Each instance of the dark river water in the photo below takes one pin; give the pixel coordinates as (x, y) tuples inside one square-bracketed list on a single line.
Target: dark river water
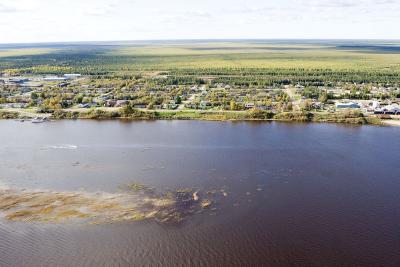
[(297, 194)]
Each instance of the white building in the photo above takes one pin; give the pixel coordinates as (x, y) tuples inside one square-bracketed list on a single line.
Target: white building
[(72, 75), (389, 109), (375, 105), (55, 79), (249, 105)]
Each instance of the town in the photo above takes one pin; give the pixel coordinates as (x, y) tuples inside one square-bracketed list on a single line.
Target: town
[(76, 92)]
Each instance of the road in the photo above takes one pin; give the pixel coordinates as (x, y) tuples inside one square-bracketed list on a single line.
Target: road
[(189, 100), (294, 98)]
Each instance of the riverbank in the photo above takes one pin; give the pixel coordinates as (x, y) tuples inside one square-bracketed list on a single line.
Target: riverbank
[(347, 117), (395, 123)]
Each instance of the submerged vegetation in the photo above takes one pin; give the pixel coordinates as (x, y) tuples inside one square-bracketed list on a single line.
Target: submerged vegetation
[(136, 202)]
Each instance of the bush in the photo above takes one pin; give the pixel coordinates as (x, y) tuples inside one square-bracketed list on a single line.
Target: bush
[(259, 114), (8, 115)]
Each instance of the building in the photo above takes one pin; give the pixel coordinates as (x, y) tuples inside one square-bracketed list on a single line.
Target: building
[(372, 106), (393, 109), (72, 75), (141, 106), (63, 84), (18, 80), (85, 105), (375, 105), (249, 105), (13, 105), (55, 79), (170, 105), (191, 105), (110, 103), (349, 105), (121, 103), (205, 105)]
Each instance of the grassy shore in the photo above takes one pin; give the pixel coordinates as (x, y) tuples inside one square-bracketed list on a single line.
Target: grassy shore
[(348, 117)]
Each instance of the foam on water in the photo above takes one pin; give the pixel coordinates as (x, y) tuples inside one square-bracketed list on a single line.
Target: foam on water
[(68, 147)]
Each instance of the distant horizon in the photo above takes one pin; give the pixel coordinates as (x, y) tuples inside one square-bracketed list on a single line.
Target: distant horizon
[(203, 40)]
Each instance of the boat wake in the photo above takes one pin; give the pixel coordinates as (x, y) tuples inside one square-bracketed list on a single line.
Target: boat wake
[(68, 147)]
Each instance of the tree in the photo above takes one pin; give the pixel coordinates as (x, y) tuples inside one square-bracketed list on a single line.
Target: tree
[(151, 104), (323, 98), (306, 105), (34, 95), (233, 105), (78, 99), (289, 106), (128, 110)]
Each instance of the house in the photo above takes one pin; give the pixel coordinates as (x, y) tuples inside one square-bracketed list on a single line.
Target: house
[(373, 106), (264, 107), (72, 75), (205, 104), (191, 105), (389, 109), (66, 103), (13, 105), (31, 84), (86, 105), (249, 105), (55, 79), (18, 80), (25, 90), (170, 105), (63, 84), (140, 106), (105, 97), (121, 103), (349, 105), (110, 103), (318, 105)]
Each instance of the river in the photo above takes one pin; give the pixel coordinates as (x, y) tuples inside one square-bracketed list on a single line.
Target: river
[(285, 194)]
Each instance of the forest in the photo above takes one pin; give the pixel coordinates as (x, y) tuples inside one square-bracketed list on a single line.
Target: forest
[(257, 64)]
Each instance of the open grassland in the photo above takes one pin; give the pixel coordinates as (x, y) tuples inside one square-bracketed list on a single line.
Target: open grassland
[(286, 56)]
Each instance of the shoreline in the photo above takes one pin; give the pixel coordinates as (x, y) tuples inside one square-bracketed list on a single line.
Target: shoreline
[(343, 117), (393, 123)]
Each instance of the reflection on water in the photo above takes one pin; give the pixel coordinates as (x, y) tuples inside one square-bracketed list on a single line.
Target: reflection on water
[(243, 194)]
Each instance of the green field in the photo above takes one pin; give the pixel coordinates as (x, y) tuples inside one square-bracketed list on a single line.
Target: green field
[(257, 63), (23, 52)]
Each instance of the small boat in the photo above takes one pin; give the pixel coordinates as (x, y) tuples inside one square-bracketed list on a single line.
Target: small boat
[(38, 120)]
